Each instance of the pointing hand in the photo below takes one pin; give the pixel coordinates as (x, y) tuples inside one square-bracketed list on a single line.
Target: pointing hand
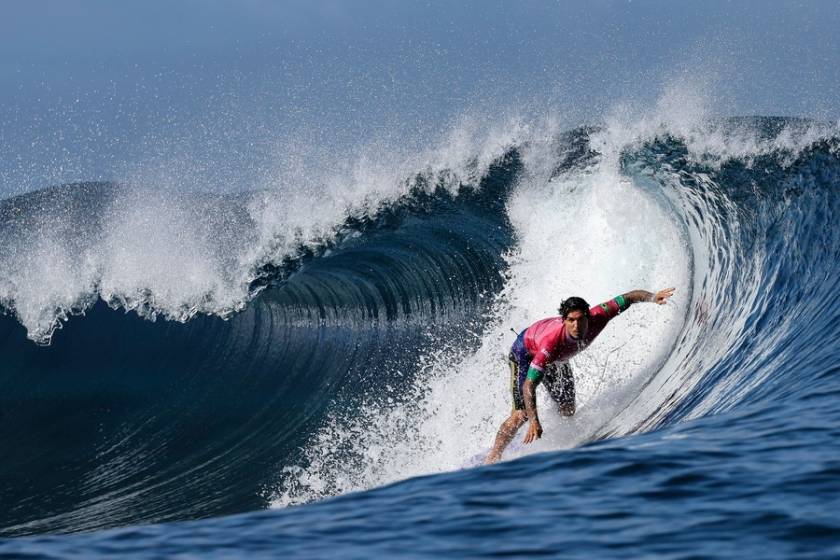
[(662, 296)]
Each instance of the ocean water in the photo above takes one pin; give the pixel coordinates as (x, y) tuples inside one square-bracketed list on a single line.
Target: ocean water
[(305, 372)]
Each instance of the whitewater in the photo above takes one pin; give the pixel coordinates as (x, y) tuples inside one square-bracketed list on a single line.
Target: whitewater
[(306, 369)]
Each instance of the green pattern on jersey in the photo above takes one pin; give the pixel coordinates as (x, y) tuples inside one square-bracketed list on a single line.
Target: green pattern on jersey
[(622, 303)]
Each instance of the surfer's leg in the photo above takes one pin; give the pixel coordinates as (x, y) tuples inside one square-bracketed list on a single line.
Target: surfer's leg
[(561, 386), (517, 416), (506, 433)]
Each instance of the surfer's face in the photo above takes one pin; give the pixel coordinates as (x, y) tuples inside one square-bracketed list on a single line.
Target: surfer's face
[(576, 323)]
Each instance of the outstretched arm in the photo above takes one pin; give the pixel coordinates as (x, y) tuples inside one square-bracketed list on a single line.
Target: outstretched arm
[(658, 298)]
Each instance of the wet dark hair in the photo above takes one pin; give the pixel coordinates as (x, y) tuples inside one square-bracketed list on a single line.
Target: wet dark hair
[(573, 304)]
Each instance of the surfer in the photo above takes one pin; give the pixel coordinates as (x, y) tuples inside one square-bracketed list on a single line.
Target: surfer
[(541, 353)]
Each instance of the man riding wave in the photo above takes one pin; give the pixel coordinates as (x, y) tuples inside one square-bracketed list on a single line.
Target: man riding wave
[(541, 353)]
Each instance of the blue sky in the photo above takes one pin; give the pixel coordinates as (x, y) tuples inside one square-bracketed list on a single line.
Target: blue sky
[(95, 89)]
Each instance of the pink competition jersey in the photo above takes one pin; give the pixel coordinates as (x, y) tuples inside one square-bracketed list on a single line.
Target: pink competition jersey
[(547, 341)]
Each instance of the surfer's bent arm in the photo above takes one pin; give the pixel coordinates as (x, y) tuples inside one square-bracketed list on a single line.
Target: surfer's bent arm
[(529, 394)]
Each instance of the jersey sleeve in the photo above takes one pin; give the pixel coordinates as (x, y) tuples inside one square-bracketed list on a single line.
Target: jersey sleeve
[(547, 352), (541, 358), (608, 310)]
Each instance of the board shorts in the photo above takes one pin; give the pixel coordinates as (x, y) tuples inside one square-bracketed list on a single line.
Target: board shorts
[(558, 379)]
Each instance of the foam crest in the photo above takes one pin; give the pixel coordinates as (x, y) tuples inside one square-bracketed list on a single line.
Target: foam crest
[(160, 256), (168, 254), (686, 110), (312, 189), (44, 285)]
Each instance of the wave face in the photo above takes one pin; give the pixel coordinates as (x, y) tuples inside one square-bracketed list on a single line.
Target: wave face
[(123, 418), (374, 353), (759, 220)]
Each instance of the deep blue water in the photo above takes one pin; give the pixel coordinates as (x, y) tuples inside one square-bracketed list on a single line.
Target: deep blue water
[(172, 437)]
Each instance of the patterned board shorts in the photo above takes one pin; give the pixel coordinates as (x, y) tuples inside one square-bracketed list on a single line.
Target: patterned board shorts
[(558, 379)]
